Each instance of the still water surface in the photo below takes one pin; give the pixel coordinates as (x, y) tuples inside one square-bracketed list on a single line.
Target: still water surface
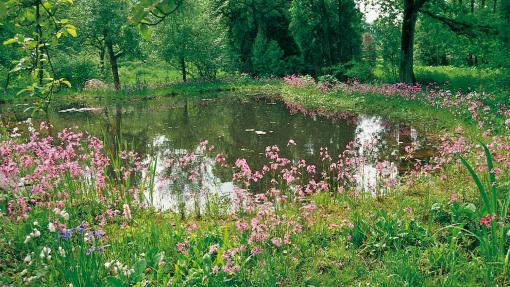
[(238, 128)]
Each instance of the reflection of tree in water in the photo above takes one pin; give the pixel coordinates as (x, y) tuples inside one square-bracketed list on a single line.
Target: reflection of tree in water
[(229, 124)]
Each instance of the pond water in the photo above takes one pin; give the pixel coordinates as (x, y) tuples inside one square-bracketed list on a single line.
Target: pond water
[(238, 128)]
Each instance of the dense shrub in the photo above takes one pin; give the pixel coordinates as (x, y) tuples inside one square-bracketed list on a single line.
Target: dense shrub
[(76, 69)]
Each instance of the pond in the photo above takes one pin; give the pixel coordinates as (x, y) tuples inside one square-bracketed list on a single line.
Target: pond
[(237, 127)]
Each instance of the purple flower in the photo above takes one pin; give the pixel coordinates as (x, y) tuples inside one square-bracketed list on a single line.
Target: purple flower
[(90, 250), (80, 229), (68, 233), (99, 234)]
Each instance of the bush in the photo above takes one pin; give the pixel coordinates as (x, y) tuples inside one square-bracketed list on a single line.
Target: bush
[(76, 70), (267, 57), (359, 70)]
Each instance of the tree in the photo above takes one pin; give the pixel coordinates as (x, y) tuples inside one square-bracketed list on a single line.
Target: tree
[(105, 25), (41, 32), (327, 31), (245, 19), (267, 57), (193, 39)]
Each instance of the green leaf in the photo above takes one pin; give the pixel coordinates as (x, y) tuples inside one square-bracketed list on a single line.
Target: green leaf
[(481, 189), (145, 31), (114, 282), (10, 41), (66, 82), (140, 266), (71, 30)]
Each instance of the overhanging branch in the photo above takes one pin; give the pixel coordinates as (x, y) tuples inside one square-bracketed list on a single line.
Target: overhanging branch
[(467, 29)]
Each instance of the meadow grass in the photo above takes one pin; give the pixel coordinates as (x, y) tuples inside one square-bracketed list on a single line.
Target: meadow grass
[(436, 228)]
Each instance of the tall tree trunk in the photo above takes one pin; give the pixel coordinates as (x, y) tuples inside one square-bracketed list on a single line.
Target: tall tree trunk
[(494, 6), (406, 74), (101, 60), (38, 48), (325, 33), (183, 69), (7, 81), (113, 63), (472, 6)]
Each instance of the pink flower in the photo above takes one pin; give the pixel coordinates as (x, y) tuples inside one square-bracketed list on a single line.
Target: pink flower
[(242, 226), (277, 242), (256, 250), (291, 142), (213, 248), (487, 220), (127, 212)]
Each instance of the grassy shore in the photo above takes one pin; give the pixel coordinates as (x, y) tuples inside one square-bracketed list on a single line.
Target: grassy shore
[(433, 228)]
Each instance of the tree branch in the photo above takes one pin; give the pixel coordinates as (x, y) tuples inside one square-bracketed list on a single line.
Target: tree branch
[(467, 29)]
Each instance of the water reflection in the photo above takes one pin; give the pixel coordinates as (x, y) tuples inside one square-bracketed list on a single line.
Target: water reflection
[(164, 128)]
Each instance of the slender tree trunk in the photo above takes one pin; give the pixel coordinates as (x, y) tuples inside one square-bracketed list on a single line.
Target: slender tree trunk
[(101, 60), (7, 81), (472, 6), (183, 69), (113, 63), (494, 6), (406, 74), (38, 51), (326, 34)]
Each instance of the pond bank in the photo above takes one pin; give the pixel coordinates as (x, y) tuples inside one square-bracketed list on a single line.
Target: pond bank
[(431, 229)]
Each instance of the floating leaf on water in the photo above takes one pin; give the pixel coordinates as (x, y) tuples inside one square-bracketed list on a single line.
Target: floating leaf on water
[(249, 130), (260, 132), (81, 110)]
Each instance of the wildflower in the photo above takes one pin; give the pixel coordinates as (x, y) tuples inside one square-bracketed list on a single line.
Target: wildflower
[(90, 250), (241, 225), (52, 227), (45, 253), (277, 242), (182, 247), (487, 220), (61, 251), (215, 269), (67, 233), (291, 142), (192, 227), (161, 262), (453, 198), (28, 259), (108, 264), (213, 248), (256, 250), (127, 212)]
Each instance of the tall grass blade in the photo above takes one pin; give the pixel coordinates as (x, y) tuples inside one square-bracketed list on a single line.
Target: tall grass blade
[(479, 184)]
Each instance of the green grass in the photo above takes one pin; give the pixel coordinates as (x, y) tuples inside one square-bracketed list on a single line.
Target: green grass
[(412, 237)]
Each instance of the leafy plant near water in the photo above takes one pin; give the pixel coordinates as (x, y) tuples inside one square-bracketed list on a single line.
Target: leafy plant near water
[(494, 229)]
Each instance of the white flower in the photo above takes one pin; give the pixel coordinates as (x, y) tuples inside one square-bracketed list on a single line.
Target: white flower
[(107, 264), (52, 227), (24, 272), (61, 251), (45, 253), (27, 259), (36, 233), (65, 215), (27, 239), (36, 223)]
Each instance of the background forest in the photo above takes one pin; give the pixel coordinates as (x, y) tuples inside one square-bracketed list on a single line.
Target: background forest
[(461, 42)]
